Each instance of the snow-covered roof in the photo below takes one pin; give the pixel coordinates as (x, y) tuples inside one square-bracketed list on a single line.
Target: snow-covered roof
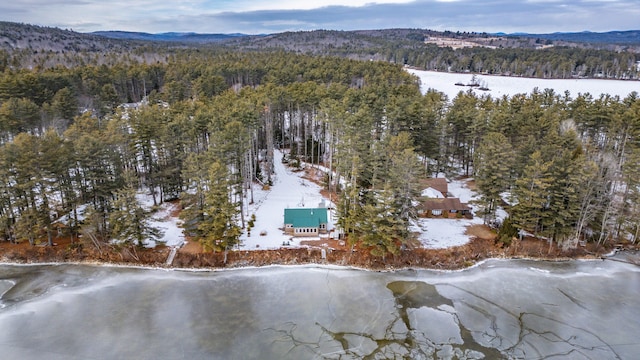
[(432, 193)]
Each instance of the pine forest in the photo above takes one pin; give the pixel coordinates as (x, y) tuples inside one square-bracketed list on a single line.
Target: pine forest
[(200, 124)]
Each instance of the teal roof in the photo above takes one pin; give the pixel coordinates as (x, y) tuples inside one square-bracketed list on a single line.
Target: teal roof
[(305, 217)]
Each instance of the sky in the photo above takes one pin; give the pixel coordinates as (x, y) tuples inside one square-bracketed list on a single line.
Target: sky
[(273, 16)]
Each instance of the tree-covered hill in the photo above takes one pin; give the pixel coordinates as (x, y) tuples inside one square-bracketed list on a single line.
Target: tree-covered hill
[(28, 46), (459, 52), (24, 46), (15, 37)]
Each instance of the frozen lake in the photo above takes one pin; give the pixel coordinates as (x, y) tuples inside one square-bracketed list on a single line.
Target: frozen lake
[(499, 309), (506, 85)]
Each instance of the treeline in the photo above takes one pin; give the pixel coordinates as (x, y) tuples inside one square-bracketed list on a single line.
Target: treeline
[(555, 63), (501, 56), (204, 128)]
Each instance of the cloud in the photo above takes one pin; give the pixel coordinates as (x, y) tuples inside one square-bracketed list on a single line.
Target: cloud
[(225, 16), (490, 16)]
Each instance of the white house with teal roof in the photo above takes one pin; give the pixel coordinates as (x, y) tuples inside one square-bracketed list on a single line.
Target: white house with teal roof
[(306, 221)]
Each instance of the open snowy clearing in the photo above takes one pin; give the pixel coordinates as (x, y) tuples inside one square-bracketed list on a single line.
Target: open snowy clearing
[(289, 190), (509, 86), (444, 233)]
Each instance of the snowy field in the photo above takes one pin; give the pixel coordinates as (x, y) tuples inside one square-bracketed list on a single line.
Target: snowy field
[(444, 233), (506, 85)]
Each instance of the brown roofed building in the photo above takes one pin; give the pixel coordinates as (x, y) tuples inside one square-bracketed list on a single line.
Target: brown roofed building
[(440, 207)]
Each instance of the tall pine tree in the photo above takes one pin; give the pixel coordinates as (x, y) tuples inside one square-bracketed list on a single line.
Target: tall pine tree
[(219, 230)]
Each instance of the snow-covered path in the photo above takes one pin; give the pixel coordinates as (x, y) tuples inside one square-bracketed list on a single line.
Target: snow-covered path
[(288, 190)]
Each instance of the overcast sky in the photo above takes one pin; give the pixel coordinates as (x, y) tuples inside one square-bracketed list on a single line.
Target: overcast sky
[(270, 16)]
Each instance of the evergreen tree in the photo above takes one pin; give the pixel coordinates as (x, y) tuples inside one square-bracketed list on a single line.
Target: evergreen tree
[(219, 230), (426, 136), (130, 223), (382, 227), (531, 193), (507, 232), (630, 219), (193, 199), (569, 171), (18, 115), (28, 226), (64, 104), (401, 178), (460, 119), (493, 163)]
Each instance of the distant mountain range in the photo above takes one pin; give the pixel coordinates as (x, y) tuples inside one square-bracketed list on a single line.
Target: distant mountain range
[(631, 37), (402, 45), (32, 46), (190, 37)]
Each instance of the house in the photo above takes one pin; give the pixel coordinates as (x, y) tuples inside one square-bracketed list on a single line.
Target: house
[(445, 207), (439, 184), (305, 221)]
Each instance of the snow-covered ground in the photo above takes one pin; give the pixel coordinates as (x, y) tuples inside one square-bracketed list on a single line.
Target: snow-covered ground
[(506, 85), (163, 220), (288, 190), (444, 233)]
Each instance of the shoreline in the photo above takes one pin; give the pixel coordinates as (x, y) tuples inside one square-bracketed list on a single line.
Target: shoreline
[(453, 259), (518, 76), (320, 266)]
